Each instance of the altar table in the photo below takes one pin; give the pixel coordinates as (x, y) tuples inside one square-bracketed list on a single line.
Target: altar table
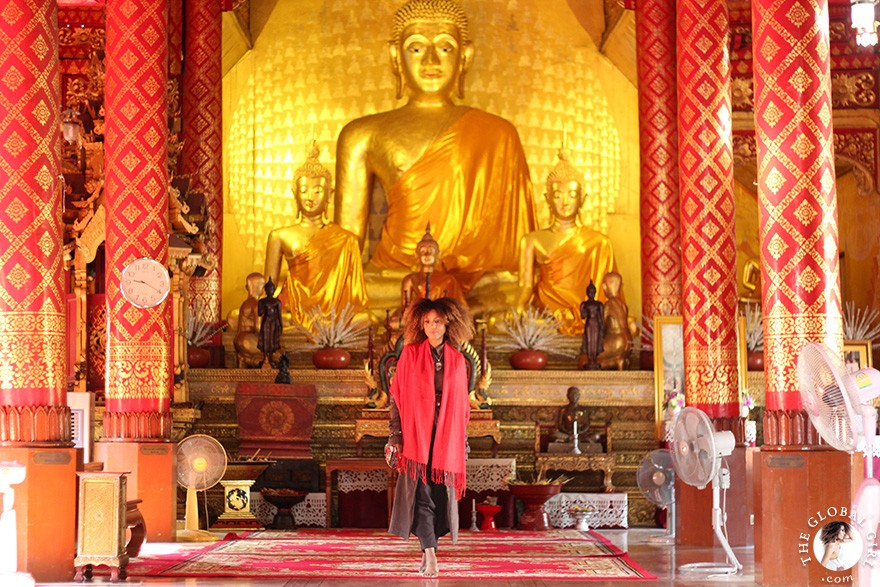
[(310, 512), (610, 509), (583, 462), (378, 427)]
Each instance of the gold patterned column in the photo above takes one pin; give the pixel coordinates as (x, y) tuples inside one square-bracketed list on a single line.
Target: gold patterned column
[(658, 141), (33, 376), (138, 386), (202, 157), (797, 200), (707, 208)]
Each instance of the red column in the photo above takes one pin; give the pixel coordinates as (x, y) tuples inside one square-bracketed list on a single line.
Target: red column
[(707, 208), (202, 157), (658, 142), (138, 387), (33, 379), (797, 200)]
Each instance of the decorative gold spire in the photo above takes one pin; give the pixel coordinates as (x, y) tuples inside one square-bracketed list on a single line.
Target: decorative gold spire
[(414, 11), (428, 240), (313, 168), (564, 172)]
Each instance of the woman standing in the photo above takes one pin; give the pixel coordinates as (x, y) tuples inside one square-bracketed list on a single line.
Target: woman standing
[(429, 417)]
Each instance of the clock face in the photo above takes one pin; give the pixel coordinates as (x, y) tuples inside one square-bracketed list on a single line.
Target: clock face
[(145, 283)]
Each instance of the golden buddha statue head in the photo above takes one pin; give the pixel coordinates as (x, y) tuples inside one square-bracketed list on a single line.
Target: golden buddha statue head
[(428, 251), (312, 185), (564, 189), (430, 48), (255, 282)]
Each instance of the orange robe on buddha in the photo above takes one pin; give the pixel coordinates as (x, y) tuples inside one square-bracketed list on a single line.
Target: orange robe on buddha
[(327, 273), (473, 186), (563, 277)]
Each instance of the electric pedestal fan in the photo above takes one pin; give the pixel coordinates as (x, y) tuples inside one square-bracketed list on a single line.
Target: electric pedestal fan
[(201, 463), (656, 479), (839, 406), (697, 450)]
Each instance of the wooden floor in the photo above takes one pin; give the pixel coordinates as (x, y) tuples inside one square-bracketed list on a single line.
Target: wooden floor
[(661, 560)]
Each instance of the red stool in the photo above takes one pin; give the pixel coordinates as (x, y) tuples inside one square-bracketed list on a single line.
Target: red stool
[(488, 512)]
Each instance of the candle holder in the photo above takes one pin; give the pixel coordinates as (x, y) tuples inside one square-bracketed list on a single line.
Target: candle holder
[(575, 440), (474, 527)]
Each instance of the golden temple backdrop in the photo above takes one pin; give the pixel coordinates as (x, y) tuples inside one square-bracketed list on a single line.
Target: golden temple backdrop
[(316, 65)]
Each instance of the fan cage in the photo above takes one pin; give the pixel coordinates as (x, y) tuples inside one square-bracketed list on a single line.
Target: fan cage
[(198, 451)]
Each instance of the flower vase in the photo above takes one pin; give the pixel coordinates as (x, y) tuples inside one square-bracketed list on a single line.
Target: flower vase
[(528, 359), (582, 521), (331, 358), (197, 357)]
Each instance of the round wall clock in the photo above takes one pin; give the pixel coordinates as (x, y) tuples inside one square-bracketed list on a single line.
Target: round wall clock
[(145, 283)]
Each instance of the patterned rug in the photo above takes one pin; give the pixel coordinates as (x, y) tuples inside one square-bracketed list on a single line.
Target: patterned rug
[(374, 554)]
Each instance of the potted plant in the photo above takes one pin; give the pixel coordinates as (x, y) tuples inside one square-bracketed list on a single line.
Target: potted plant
[(534, 494), (198, 334), (531, 334), (754, 337), (330, 335)]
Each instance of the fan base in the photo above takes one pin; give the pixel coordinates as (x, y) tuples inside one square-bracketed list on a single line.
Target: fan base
[(713, 570), (195, 536)]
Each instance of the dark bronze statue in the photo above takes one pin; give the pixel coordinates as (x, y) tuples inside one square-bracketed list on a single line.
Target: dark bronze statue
[(571, 413), (283, 369), (593, 314), (269, 309)]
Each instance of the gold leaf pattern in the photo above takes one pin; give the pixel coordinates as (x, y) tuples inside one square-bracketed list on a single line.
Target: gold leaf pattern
[(805, 213), (16, 210), (18, 277), (777, 246)]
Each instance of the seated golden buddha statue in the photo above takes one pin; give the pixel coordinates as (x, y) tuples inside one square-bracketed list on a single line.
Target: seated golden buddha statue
[(618, 334), (415, 285), (459, 168), (323, 260), (556, 263), (248, 336)]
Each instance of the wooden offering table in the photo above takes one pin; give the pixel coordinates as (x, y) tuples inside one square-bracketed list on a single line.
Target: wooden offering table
[(358, 464), (584, 462)]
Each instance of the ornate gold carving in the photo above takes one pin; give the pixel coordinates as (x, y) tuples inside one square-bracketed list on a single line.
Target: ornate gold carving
[(139, 369), (585, 462), (853, 89), (34, 424), (136, 426), (33, 348)]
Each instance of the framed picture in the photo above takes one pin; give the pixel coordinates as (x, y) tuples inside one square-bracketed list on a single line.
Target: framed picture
[(668, 363), (857, 355), (742, 358)]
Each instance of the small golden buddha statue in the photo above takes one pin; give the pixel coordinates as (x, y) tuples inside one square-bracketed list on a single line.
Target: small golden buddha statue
[(247, 338), (555, 263), (459, 168), (415, 285), (617, 343), (323, 259)]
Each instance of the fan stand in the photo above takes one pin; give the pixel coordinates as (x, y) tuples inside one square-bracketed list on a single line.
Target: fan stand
[(191, 532), (669, 536), (720, 481)]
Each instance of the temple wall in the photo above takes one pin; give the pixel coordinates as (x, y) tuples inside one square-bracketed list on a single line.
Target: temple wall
[(317, 65)]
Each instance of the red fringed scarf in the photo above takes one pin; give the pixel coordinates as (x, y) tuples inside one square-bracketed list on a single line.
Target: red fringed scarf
[(413, 392)]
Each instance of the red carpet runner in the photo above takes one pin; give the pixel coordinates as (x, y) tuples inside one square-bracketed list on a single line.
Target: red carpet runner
[(374, 554)]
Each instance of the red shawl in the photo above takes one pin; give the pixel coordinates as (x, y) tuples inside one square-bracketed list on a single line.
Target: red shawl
[(413, 393)]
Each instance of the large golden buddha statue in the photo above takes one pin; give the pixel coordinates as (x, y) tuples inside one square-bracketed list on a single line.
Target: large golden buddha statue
[(556, 263), (323, 260), (459, 168)]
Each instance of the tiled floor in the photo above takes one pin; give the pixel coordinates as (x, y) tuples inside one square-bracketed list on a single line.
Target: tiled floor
[(661, 560)]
